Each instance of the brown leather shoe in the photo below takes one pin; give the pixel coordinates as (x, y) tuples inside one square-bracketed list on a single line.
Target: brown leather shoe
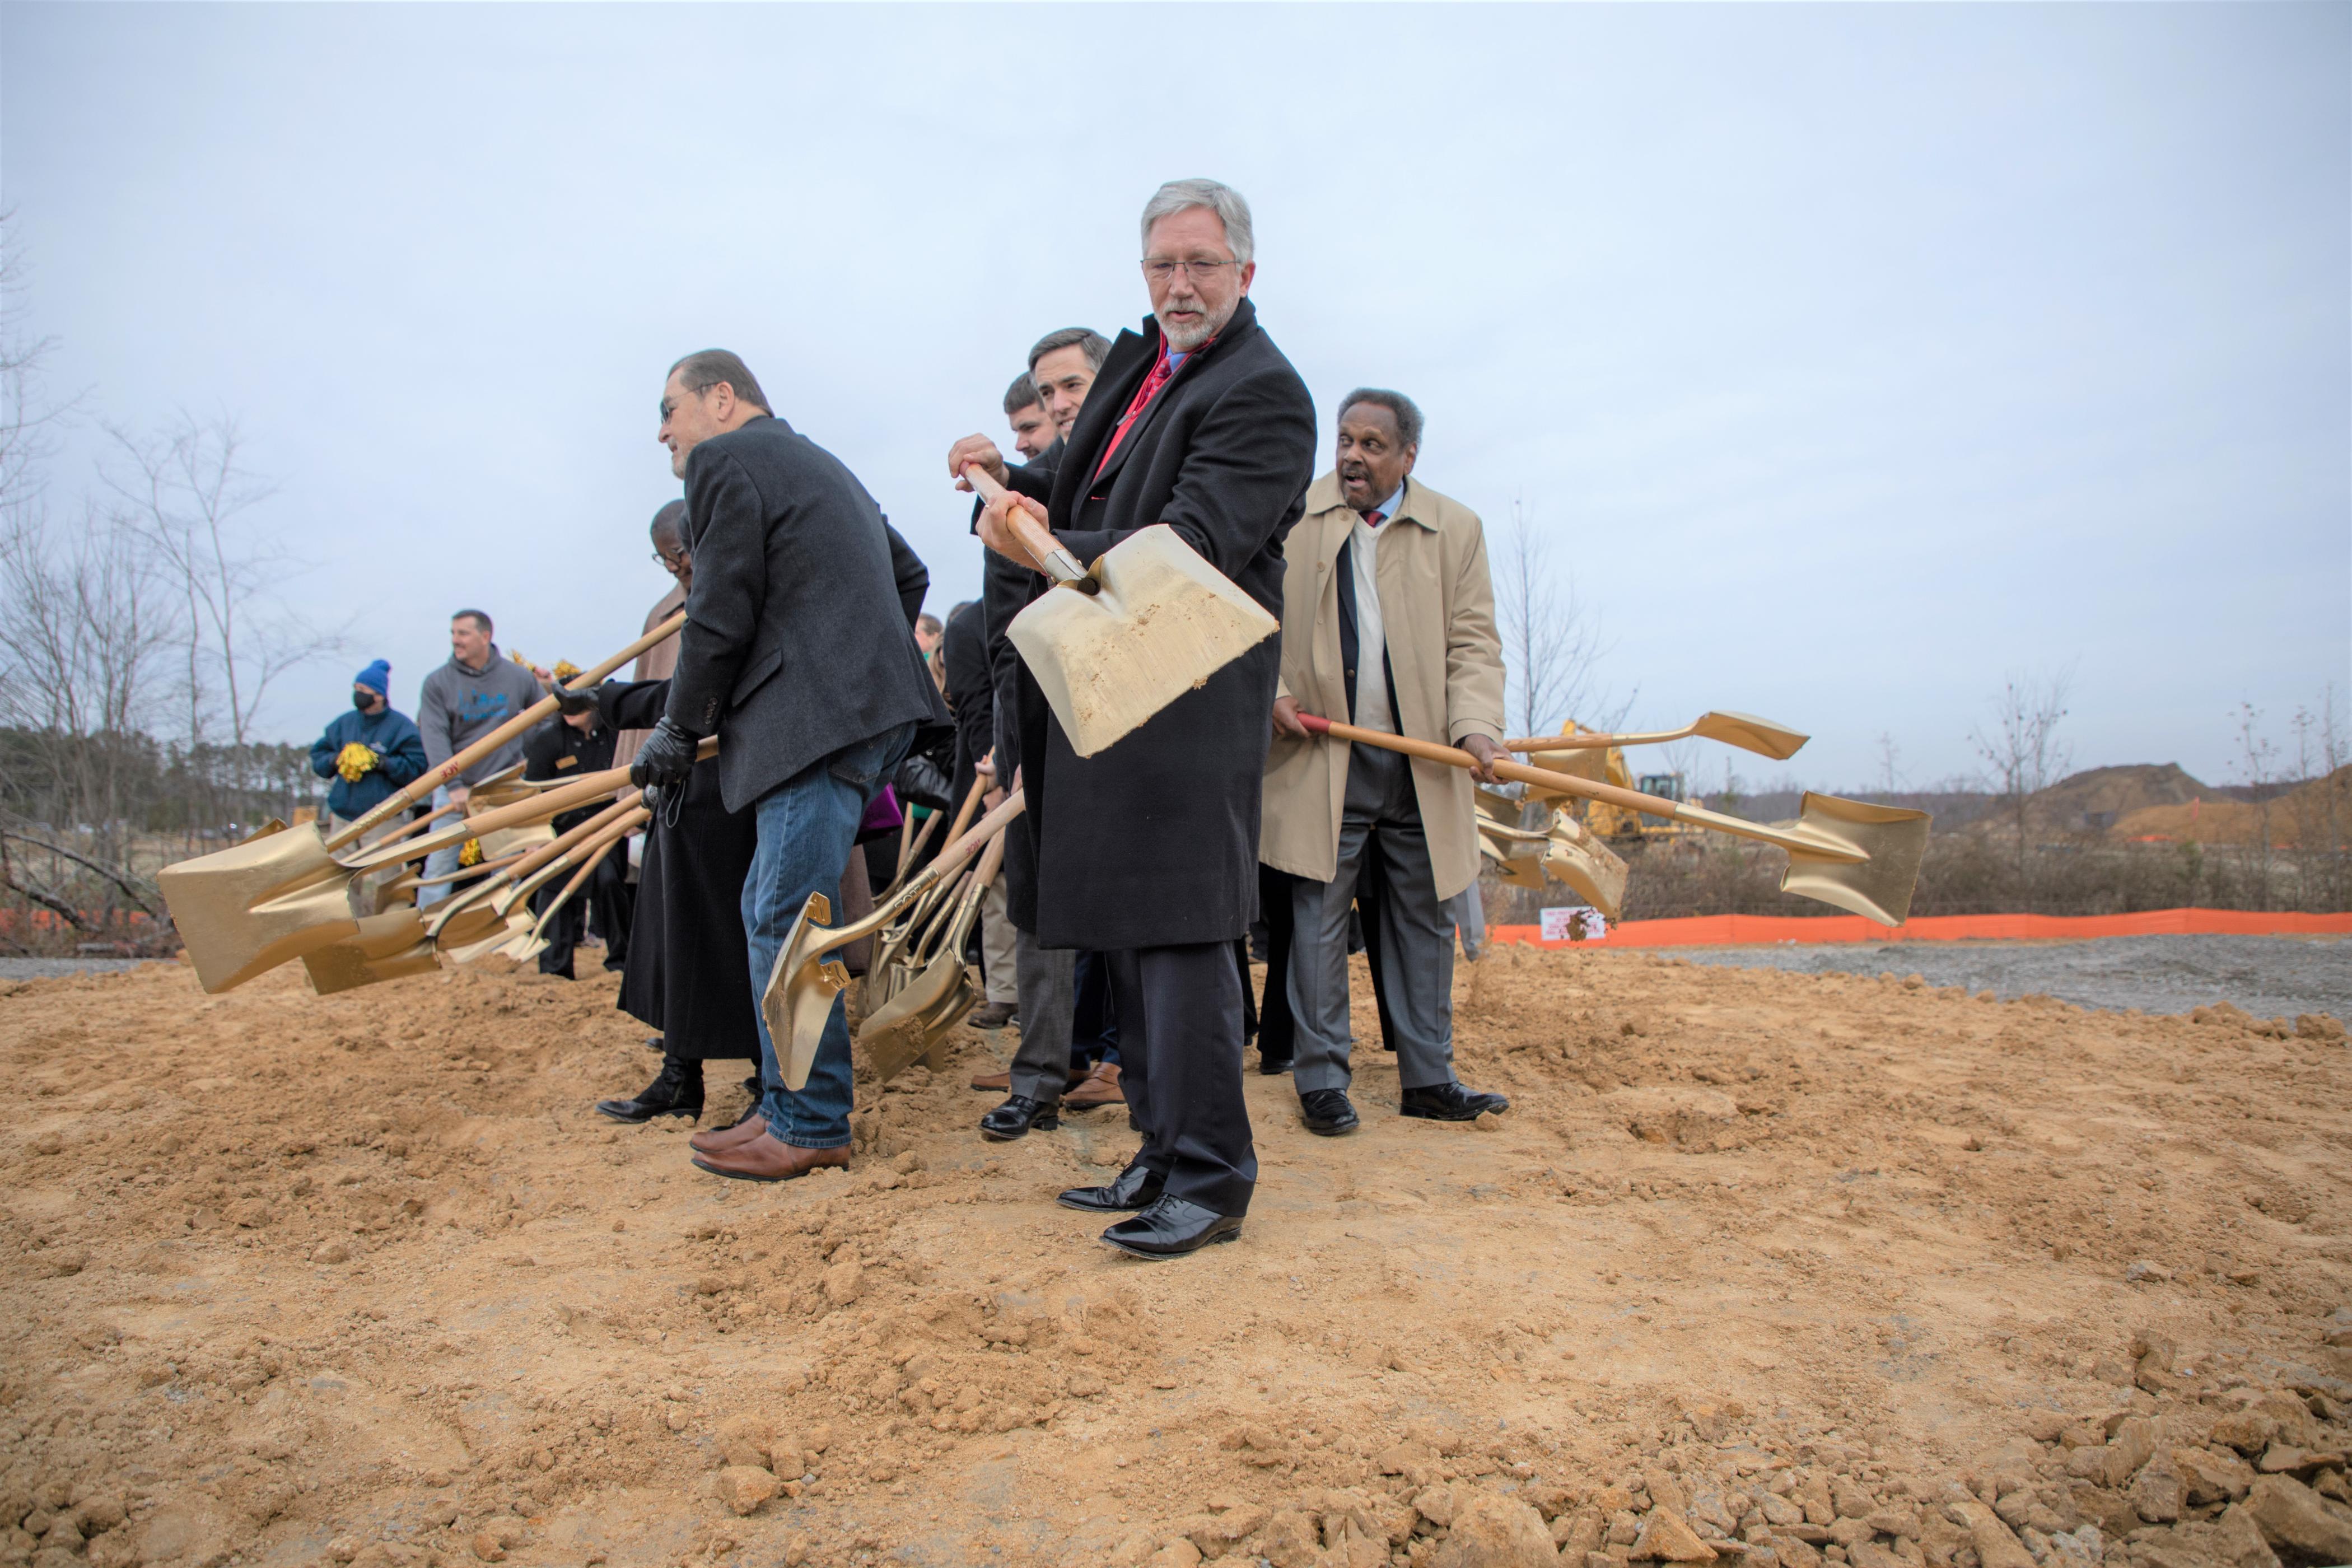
[(1098, 1087), (717, 1138), (763, 1159), (993, 1082)]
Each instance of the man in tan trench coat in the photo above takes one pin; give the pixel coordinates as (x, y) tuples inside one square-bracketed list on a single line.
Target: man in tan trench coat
[(1387, 621)]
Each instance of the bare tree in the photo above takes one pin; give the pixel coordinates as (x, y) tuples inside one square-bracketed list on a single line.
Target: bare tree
[(188, 496), (1552, 645), (2022, 748), (27, 418), (2258, 761)]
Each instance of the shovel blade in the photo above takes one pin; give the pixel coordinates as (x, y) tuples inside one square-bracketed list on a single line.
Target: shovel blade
[(258, 904), (467, 927), (803, 989), (1164, 623), (897, 1034), (1751, 733), (389, 946), (1577, 858), (1878, 889)]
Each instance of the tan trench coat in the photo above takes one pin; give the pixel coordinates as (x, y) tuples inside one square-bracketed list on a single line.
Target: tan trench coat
[(1438, 607)]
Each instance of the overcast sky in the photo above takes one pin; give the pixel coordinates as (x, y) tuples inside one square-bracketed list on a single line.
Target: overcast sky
[(1849, 356)]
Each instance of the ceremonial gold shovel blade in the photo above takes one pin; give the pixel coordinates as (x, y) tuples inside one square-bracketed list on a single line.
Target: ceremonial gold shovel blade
[(807, 980), (1112, 645), (935, 1001), (1744, 730)]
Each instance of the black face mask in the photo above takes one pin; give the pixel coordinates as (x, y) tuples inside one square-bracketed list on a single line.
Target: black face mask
[(362, 700)]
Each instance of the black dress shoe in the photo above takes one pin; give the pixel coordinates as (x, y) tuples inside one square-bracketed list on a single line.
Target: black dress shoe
[(1450, 1102), (1327, 1112), (1270, 1066), (1170, 1228), (1017, 1115), (675, 1090), (1136, 1187)]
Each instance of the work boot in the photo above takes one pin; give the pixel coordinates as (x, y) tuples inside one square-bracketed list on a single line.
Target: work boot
[(990, 1015), (675, 1090), (1098, 1087)]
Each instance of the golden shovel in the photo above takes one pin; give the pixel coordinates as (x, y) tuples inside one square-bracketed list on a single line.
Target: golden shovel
[(534, 942), (1849, 853), (1516, 851), (1112, 645), (888, 971), (936, 1000), (1576, 856), (1744, 730), (279, 895), (807, 980)]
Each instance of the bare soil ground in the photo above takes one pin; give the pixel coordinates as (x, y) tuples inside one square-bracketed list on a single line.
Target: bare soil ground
[(1764, 1265)]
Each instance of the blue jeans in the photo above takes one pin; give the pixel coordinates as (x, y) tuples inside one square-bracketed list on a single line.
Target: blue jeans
[(441, 862), (807, 826)]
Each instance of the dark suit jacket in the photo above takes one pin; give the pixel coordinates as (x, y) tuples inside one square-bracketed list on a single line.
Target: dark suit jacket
[(795, 644), (554, 749), (972, 695), (1153, 841)]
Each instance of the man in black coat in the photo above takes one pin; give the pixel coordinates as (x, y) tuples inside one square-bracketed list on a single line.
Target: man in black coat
[(794, 656), (1148, 850), (573, 745)]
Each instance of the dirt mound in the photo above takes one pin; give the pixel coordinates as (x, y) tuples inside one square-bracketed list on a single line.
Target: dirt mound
[(1762, 1266), (2094, 801), (2313, 816)]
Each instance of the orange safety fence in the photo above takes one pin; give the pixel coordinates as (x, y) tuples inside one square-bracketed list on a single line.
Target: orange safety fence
[(1731, 931)]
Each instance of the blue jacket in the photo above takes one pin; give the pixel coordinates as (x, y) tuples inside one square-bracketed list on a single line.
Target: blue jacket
[(394, 739)]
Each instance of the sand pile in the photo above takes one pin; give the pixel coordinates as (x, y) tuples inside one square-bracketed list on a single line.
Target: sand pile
[(1761, 1267), (2095, 800), (2313, 816)]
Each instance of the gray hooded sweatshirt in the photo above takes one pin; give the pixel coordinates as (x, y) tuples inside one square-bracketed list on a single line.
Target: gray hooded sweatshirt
[(458, 703)]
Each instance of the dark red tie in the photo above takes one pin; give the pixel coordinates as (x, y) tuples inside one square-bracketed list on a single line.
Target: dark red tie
[(1374, 519)]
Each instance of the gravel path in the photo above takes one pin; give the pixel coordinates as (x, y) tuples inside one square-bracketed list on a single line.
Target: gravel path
[(2268, 976), (50, 968)]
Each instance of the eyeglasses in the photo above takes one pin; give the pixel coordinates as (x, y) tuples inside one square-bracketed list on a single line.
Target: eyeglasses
[(1161, 272), (671, 563)]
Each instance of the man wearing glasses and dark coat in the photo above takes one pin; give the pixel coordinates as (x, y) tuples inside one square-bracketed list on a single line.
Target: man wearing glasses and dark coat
[(1148, 850)]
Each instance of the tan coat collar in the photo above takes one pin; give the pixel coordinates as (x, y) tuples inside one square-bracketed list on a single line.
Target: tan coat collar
[(1323, 496)]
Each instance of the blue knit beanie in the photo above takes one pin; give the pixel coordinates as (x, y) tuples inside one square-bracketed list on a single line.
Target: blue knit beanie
[(376, 677)]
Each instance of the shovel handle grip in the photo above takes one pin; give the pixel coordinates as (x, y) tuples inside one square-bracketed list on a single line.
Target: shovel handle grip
[(416, 789), (1035, 538), (1632, 800)]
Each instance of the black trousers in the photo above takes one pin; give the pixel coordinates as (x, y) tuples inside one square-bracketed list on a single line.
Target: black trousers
[(1180, 1046), (606, 898)]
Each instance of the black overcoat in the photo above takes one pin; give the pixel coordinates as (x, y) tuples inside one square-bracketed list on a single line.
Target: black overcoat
[(1153, 841), (689, 969), (963, 651), (794, 644)]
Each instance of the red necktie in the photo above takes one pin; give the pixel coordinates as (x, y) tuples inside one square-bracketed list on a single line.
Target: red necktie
[(1143, 396), (1374, 519)]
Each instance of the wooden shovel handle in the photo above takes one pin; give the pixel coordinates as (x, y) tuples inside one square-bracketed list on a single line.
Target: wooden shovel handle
[(620, 830), (988, 827), (1035, 538), (971, 803), (522, 812), (1632, 800), (416, 789), (623, 804)]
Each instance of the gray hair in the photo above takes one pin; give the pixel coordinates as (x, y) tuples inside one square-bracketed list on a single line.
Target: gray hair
[(1096, 346), (1021, 395), (707, 368), (1183, 195), (1408, 413)]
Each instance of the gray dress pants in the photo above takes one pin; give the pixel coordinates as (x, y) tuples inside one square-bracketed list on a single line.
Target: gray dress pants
[(1041, 1068), (1415, 934)]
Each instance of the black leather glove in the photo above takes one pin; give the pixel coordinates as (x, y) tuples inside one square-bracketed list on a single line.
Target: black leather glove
[(666, 757), (574, 702)]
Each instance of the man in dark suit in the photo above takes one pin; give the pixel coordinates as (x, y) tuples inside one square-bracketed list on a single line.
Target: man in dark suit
[(1148, 850), (794, 655)]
